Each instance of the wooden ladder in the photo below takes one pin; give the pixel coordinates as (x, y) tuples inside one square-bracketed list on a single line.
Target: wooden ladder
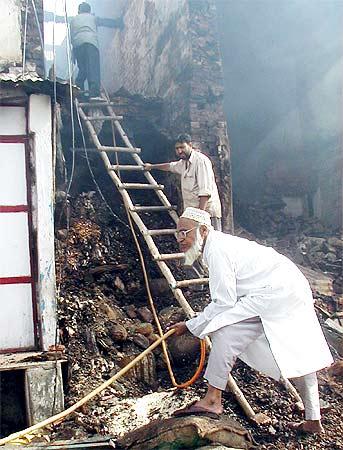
[(135, 211), (161, 259)]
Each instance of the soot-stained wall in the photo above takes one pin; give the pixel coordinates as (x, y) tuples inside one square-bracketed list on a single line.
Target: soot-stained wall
[(169, 49), (283, 70)]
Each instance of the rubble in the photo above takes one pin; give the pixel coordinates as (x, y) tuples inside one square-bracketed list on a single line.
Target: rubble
[(104, 322)]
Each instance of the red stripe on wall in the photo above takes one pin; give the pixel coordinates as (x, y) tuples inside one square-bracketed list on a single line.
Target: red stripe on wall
[(13, 209), (15, 280), (13, 139)]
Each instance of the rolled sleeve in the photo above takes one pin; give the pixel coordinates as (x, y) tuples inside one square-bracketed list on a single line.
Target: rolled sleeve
[(204, 170)]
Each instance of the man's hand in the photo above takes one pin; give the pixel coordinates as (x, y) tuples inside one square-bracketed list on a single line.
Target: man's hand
[(147, 166), (180, 328)]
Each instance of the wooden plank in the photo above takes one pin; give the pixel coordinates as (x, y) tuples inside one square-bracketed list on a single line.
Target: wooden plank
[(162, 232), (141, 186), (169, 256), (92, 118), (152, 208), (91, 104), (126, 167), (106, 148), (191, 282)]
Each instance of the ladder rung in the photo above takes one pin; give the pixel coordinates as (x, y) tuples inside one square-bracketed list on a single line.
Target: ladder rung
[(104, 103), (126, 167), (104, 118), (161, 232), (153, 208), (141, 186), (169, 256), (192, 282), (105, 148)]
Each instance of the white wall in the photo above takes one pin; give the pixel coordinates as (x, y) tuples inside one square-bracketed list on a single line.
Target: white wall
[(16, 309), (10, 35), (43, 213)]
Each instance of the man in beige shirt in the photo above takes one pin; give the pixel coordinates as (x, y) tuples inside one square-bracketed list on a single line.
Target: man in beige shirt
[(198, 184)]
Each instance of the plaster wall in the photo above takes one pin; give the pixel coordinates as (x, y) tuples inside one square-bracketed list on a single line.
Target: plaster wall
[(40, 123), (10, 32)]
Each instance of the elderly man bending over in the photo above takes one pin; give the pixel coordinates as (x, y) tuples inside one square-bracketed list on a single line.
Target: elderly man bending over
[(261, 311)]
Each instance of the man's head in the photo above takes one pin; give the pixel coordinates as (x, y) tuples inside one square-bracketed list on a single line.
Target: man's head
[(183, 146), (84, 7), (192, 230)]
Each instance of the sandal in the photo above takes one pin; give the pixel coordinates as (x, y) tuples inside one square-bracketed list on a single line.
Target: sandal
[(195, 410)]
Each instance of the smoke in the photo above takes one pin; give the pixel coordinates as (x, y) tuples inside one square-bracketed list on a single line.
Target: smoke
[(283, 87)]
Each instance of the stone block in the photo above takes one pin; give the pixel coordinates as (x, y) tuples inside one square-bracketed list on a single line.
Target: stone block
[(44, 392)]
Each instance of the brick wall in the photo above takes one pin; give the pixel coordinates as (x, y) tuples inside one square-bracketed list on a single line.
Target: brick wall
[(169, 49)]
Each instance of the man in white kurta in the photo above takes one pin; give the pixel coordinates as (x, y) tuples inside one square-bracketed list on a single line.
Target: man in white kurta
[(261, 311), (198, 184)]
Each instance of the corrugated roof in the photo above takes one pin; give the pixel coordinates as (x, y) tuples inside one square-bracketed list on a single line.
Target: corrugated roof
[(32, 82), (20, 77)]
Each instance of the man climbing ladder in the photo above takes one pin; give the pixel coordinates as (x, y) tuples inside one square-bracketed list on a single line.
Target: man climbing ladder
[(84, 39)]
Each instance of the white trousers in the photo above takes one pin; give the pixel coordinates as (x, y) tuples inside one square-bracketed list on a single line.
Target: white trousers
[(230, 341)]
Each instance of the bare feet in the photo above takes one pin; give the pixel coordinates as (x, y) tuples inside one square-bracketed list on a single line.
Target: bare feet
[(307, 426)]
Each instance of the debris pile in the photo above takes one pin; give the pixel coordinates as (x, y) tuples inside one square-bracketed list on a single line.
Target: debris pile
[(104, 323)]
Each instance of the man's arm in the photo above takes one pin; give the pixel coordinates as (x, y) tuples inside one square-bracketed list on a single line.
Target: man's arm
[(100, 21), (222, 283), (162, 166), (110, 23)]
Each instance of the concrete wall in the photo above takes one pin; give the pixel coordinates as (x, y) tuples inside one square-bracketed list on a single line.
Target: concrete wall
[(10, 33), (40, 124), (28, 251)]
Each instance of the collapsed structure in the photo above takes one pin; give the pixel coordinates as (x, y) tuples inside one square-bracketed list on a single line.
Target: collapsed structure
[(168, 51)]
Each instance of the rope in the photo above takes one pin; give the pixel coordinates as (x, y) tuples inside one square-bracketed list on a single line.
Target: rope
[(151, 301), (57, 418)]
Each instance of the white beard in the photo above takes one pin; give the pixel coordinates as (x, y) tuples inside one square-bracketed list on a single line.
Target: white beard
[(194, 252)]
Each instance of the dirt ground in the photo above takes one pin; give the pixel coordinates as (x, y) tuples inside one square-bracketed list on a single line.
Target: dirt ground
[(103, 322)]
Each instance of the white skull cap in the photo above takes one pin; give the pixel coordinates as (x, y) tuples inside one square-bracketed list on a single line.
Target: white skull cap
[(198, 215)]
